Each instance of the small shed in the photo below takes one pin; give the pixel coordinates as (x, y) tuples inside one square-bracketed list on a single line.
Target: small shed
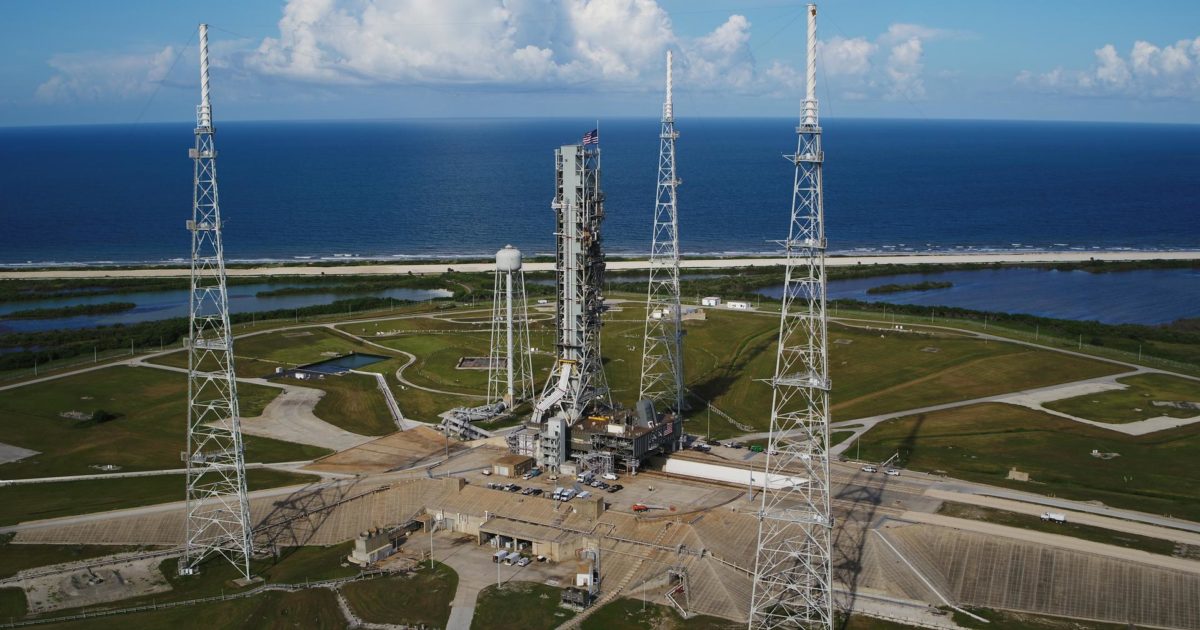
[(712, 300), (512, 465)]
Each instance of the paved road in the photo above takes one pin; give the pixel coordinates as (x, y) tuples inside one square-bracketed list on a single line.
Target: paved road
[(1066, 504), (613, 265)]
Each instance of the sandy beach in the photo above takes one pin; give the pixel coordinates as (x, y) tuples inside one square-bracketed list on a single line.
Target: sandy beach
[(615, 265)]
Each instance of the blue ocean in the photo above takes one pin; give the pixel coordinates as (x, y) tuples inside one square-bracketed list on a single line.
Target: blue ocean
[(422, 188)]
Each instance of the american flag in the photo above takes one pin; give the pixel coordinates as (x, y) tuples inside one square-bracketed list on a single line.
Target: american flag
[(591, 137)]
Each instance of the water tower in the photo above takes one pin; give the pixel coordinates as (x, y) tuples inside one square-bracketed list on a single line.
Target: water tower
[(510, 368)]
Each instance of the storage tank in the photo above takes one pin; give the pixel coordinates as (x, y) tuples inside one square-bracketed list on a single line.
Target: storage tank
[(508, 259)]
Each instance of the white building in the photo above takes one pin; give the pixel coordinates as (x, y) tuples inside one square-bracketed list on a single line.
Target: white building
[(710, 301), (738, 305)]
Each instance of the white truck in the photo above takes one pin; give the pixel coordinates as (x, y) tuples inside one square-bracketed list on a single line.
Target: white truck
[(1054, 517)]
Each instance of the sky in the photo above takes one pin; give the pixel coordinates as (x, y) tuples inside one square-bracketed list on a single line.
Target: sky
[(65, 62)]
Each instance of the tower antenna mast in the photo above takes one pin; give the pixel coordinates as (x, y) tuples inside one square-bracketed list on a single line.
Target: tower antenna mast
[(793, 569), (218, 514), (662, 345)]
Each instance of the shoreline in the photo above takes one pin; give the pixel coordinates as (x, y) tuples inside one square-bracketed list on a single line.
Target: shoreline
[(1011, 258)]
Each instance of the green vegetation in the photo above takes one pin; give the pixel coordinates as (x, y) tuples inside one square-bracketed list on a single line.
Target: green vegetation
[(352, 402), (884, 289), (308, 564), (1010, 620), (874, 371), (148, 434), (1085, 532), (861, 622), (17, 558), (633, 614), (29, 502), (1154, 473), (276, 610), (971, 369), (519, 606), (71, 311), (51, 288), (419, 598), (12, 603), (1137, 402)]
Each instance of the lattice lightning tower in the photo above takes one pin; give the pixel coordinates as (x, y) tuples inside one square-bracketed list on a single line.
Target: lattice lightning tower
[(662, 348), (510, 366), (793, 573), (218, 516)]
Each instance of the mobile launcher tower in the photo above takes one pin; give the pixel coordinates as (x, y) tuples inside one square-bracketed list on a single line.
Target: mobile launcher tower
[(574, 417), (576, 381)]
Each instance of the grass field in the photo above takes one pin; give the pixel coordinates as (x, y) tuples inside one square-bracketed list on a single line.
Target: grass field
[(258, 355), (873, 372), (1086, 532), (632, 614), (1009, 620), (147, 433), (420, 598), (312, 608), (860, 622), (519, 606), (12, 604), (1154, 473), (38, 501), (1136, 402)]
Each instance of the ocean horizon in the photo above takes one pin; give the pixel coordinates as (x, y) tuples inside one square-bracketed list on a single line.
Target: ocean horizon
[(462, 188)]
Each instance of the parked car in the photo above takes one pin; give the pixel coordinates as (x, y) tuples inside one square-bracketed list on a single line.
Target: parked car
[(585, 494), (537, 492), (487, 473), (870, 469), (616, 487), (522, 562), (609, 476)]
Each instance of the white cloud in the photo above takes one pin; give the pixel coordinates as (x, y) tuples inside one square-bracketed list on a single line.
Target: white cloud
[(904, 70), (890, 66), (98, 77), (844, 56), (523, 42), (502, 45), (1149, 71)]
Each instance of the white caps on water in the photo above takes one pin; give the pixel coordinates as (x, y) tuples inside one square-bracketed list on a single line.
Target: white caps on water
[(508, 259)]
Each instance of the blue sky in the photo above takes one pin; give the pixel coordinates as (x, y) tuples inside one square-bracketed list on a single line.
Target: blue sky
[(76, 62)]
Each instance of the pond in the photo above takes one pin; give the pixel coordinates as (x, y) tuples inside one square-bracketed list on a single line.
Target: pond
[(342, 364), (154, 305), (1144, 296)]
